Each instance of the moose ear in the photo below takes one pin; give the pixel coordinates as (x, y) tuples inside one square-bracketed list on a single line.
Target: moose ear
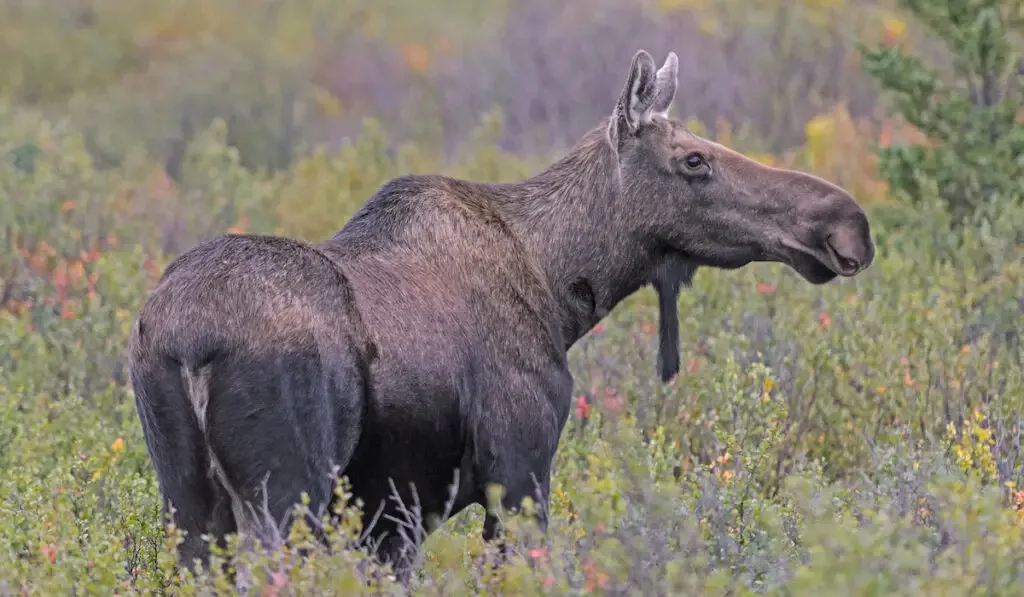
[(634, 107), (667, 80)]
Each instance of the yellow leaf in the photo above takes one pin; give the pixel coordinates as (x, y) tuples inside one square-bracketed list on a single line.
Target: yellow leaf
[(894, 28), (327, 102), (819, 127), (697, 127)]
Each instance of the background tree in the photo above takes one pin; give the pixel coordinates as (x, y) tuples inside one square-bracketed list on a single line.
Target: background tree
[(971, 116)]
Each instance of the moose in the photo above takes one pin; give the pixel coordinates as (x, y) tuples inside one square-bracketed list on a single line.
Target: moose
[(423, 347)]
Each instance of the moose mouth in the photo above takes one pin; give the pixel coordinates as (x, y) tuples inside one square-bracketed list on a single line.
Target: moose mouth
[(818, 263), (812, 269), (815, 265)]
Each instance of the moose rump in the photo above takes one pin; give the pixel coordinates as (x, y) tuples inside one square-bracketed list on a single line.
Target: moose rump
[(248, 365)]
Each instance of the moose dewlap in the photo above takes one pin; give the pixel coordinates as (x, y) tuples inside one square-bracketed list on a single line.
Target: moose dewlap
[(425, 342)]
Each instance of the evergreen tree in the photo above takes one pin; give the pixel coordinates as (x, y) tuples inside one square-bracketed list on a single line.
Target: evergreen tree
[(976, 155)]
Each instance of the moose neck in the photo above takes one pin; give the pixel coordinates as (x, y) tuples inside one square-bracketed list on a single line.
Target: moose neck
[(573, 221)]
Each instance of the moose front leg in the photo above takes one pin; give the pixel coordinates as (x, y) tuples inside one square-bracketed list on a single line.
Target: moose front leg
[(515, 448), (538, 490), (515, 429)]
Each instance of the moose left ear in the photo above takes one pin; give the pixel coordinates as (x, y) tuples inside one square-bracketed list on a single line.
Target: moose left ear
[(634, 107)]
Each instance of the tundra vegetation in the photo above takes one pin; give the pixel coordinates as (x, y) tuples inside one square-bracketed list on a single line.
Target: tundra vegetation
[(861, 437)]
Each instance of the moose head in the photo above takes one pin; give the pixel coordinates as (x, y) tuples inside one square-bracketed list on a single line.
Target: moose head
[(719, 208), (712, 206)]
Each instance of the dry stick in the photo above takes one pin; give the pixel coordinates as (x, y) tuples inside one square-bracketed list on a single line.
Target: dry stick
[(267, 530), (413, 521)]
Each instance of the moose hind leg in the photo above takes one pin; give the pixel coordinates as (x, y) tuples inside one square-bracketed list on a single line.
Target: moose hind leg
[(277, 430), (178, 452)]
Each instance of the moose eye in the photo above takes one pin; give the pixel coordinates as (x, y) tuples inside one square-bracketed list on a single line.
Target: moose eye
[(694, 161)]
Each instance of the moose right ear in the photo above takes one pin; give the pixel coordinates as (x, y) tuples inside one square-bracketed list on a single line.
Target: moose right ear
[(635, 104), (667, 81)]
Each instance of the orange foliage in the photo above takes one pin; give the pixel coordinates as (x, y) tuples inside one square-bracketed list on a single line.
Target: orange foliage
[(594, 578), (92, 255), (416, 57), (49, 552), (240, 227), (897, 131), (278, 580), (59, 279), (894, 31), (582, 407), (613, 403), (151, 266), (69, 275)]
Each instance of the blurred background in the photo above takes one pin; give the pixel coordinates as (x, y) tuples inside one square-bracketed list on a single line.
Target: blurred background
[(276, 79)]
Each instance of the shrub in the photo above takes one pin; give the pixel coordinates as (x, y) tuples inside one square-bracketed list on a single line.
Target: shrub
[(857, 437)]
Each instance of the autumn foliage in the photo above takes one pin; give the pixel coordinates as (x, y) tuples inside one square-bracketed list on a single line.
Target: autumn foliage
[(857, 438)]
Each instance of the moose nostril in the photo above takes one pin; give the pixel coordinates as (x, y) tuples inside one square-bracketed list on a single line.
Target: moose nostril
[(846, 263), (848, 243)]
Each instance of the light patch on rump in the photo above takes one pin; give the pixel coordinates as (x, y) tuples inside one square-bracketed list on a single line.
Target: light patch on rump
[(197, 383), (249, 523)]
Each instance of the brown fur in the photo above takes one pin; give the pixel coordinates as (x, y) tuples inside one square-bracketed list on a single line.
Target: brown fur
[(428, 337)]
